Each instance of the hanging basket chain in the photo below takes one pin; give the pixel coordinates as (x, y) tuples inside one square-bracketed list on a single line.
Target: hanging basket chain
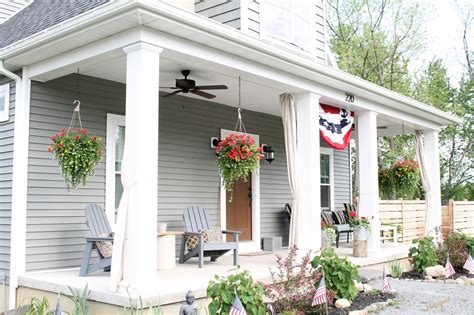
[(77, 109), (239, 125)]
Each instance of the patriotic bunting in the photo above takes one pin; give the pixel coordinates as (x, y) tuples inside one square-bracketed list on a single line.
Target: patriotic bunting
[(469, 265), (320, 297), (449, 270), (335, 125)]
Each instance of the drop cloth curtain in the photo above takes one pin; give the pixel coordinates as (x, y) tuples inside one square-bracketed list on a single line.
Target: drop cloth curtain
[(288, 115), (116, 272), (425, 180)]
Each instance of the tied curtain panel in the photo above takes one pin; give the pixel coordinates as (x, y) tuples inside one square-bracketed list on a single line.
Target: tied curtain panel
[(335, 126)]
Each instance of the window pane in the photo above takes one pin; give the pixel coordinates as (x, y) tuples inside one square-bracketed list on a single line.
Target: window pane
[(119, 143), (302, 33), (324, 161), (325, 196), (2, 103), (118, 190), (275, 19)]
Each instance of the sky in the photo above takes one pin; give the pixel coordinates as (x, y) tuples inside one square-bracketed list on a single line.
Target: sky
[(444, 36)]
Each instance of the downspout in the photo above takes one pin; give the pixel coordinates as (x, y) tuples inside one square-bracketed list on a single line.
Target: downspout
[(19, 179)]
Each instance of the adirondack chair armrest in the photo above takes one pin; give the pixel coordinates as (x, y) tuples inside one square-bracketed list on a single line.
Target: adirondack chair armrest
[(193, 233), (99, 239), (231, 232)]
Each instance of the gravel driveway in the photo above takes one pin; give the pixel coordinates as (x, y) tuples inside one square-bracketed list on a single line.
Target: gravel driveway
[(429, 298)]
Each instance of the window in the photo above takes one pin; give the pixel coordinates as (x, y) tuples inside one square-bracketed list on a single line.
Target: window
[(327, 186), (114, 149), (290, 21), (4, 102)]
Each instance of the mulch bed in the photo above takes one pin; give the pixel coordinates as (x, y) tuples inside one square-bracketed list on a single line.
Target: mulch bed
[(418, 276), (362, 300)]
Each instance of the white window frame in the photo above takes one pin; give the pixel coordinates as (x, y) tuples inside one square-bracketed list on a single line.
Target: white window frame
[(330, 152), (291, 42), (113, 121), (5, 94)]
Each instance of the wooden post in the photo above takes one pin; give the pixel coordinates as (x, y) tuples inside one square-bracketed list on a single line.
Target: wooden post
[(452, 214), (403, 219)]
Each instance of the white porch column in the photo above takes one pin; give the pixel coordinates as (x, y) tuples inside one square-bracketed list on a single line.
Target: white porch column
[(141, 152), (308, 168), (432, 164), (368, 175)]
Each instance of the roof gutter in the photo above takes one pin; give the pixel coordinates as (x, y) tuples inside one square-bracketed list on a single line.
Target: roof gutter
[(9, 74)]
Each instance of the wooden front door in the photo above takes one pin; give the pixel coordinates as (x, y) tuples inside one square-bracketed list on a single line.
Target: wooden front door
[(239, 210)]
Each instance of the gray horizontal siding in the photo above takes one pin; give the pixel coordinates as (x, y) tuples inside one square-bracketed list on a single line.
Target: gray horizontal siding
[(224, 11), (342, 188), (186, 175), (6, 175)]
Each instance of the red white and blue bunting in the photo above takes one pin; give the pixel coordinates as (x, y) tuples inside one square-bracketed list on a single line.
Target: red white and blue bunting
[(335, 126)]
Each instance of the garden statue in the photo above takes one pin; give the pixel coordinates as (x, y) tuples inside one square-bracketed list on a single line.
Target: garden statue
[(189, 308)]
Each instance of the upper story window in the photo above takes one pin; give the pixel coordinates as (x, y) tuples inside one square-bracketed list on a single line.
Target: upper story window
[(4, 102), (290, 21)]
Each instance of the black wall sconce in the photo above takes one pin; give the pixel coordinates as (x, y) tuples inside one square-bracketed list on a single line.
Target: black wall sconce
[(269, 153)]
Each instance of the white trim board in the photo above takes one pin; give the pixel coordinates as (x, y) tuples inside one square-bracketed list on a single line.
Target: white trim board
[(113, 121), (254, 244), (330, 152)]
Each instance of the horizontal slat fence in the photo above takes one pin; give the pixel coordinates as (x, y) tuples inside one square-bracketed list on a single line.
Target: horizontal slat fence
[(410, 215)]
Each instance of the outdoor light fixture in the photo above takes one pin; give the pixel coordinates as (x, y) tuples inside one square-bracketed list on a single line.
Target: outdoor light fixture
[(269, 153)]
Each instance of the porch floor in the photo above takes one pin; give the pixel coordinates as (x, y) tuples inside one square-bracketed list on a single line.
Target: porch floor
[(171, 286)]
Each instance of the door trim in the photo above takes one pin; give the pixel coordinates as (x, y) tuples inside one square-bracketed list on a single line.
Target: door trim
[(254, 244)]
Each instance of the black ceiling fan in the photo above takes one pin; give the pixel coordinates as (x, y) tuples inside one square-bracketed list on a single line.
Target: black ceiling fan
[(189, 86)]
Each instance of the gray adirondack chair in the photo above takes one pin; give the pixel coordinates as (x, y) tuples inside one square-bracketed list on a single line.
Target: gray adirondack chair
[(196, 220), (97, 222)]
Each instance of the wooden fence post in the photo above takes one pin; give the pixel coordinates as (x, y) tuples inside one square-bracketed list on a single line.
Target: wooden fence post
[(451, 213), (402, 206)]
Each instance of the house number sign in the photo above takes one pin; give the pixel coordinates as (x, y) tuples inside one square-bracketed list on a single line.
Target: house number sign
[(349, 97)]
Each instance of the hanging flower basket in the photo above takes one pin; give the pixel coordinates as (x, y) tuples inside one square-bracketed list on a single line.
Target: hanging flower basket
[(237, 157), (78, 154)]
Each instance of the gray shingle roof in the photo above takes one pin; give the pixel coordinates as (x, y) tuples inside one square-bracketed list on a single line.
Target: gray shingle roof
[(40, 15)]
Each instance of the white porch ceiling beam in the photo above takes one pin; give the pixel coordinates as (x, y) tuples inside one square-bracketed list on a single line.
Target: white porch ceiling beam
[(102, 50)]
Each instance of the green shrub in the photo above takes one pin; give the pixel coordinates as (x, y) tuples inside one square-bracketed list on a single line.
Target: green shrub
[(222, 291), (458, 245), (396, 269), (339, 274), (423, 254)]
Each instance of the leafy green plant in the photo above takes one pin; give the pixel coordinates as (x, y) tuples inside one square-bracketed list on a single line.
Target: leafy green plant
[(78, 153), (396, 269), (339, 273), (80, 300), (358, 223), (237, 157), (292, 284), (38, 307), (222, 292), (458, 245), (423, 253), (138, 309)]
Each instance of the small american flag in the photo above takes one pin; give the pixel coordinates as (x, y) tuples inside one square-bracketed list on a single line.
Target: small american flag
[(448, 270), (386, 287), (237, 307), (320, 295), (469, 264)]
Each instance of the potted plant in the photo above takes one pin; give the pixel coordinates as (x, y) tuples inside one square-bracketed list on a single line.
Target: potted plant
[(78, 153), (237, 157), (361, 229)]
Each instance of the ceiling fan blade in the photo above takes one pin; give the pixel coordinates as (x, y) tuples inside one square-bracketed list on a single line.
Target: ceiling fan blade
[(172, 93), (211, 87), (168, 87), (203, 94)]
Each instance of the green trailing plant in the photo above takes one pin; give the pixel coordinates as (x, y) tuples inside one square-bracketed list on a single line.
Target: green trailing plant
[(79, 300), (39, 307), (292, 288), (237, 157), (458, 245), (78, 154), (396, 269), (339, 273), (330, 233), (222, 289), (423, 253)]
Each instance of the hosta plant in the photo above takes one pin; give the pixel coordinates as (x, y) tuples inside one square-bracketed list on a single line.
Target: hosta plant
[(237, 157), (78, 154)]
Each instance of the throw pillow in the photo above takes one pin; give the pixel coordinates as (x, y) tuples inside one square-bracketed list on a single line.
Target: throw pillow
[(105, 247), (327, 217), (214, 235), (193, 240), (339, 217)]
